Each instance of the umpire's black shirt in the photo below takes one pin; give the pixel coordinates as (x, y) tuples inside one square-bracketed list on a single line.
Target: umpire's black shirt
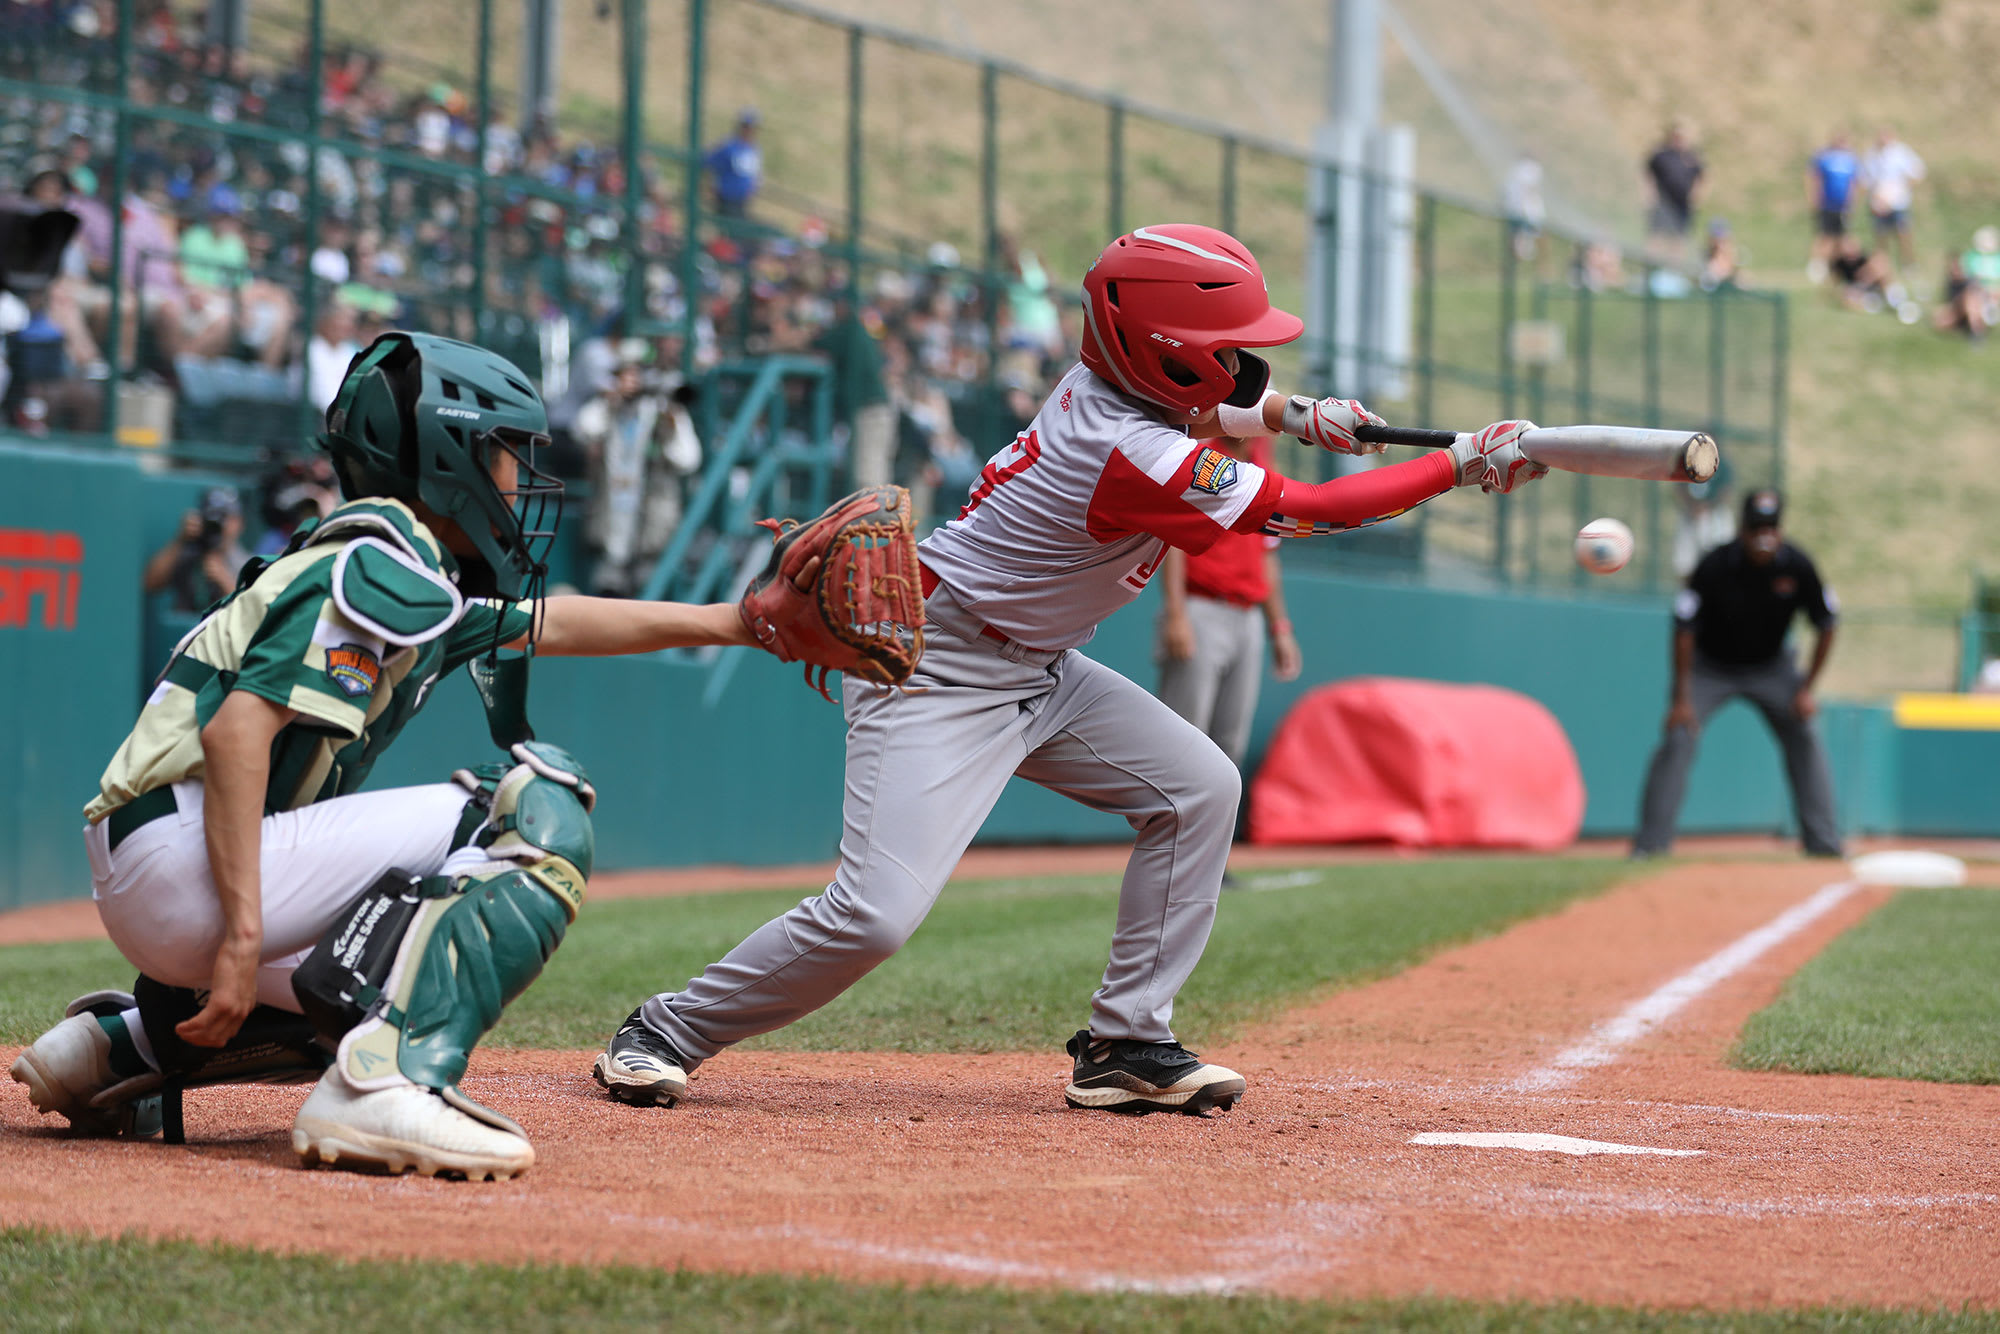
[(1740, 610)]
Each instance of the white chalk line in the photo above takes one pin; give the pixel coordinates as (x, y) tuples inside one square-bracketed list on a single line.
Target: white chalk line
[(1624, 1204), (971, 1263), (1535, 1142), (1606, 1042)]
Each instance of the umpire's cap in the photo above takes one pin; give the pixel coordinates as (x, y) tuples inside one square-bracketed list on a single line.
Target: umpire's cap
[(1763, 509)]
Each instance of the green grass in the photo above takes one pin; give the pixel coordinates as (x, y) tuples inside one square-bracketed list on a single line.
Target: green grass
[(36, 981), (1908, 994), (1001, 965), (61, 1283)]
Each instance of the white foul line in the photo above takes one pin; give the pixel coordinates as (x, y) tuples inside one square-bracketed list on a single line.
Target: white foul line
[(1608, 1039), (1537, 1143)]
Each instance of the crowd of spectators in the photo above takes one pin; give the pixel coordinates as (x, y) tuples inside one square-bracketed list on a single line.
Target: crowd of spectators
[(226, 299), (1862, 248)]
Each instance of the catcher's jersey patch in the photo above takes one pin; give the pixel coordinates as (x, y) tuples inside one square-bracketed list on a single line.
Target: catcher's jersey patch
[(1214, 472), (353, 669)]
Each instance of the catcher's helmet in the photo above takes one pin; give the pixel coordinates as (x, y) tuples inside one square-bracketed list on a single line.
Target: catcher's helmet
[(424, 419), (1161, 301)]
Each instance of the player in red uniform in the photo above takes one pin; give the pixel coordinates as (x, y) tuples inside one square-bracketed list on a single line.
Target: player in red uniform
[(1064, 526)]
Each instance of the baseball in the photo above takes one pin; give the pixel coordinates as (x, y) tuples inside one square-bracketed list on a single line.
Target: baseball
[(1603, 546)]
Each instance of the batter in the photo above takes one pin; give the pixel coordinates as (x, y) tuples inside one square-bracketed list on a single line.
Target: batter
[(1063, 527)]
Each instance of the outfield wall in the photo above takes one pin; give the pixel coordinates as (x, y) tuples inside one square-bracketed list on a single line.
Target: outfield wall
[(736, 761)]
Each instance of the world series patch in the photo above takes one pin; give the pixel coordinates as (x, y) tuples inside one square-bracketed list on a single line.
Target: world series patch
[(354, 669), (1214, 472)]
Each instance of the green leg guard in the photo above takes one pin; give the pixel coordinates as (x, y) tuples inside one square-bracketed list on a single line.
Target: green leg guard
[(485, 935)]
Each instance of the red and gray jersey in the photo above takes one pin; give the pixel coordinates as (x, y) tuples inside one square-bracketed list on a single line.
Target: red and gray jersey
[(1066, 524)]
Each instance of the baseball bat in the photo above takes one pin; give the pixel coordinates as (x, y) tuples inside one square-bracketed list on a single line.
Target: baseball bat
[(1602, 451)]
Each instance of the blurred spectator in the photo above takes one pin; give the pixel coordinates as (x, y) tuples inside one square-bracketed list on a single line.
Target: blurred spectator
[(1674, 183), (329, 352), (1982, 261), (1890, 173), (51, 187), (1521, 199), (1705, 520), (860, 400), (298, 490), (76, 164), (148, 272), (200, 564), (1972, 288), (592, 365), (329, 257), (217, 266), (1034, 322), (1829, 191), (736, 167), (1865, 279), (1719, 266), (639, 449), (1598, 267)]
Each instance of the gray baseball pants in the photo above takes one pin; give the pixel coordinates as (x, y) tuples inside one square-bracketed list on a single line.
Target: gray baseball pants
[(924, 768), (1772, 687), (1216, 689)]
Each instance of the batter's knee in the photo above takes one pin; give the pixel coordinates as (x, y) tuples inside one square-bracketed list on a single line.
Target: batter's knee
[(1205, 788), (867, 930)]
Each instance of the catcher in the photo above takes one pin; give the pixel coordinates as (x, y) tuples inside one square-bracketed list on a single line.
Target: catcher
[(1063, 527), (289, 927)]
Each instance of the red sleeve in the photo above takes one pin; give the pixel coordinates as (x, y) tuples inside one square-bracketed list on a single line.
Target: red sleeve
[(1201, 499), (1300, 509)]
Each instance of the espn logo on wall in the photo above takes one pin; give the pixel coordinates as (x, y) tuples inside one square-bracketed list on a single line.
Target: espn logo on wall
[(41, 574)]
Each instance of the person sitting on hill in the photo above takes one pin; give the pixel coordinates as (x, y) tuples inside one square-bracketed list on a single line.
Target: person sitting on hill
[(1864, 277)]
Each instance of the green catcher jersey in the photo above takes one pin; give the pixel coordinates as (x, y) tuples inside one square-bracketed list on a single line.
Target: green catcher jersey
[(351, 631)]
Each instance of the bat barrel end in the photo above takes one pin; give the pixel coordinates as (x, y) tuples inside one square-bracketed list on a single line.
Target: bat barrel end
[(1702, 457)]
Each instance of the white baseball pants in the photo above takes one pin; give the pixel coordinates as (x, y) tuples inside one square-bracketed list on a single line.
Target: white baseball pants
[(158, 901), (924, 768)]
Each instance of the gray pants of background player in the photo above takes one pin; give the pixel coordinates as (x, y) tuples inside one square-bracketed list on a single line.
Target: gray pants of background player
[(1216, 689), (1772, 687), (924, 767)]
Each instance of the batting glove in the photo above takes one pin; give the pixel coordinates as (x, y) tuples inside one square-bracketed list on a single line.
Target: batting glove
[(1492, 458), (1330, 423)]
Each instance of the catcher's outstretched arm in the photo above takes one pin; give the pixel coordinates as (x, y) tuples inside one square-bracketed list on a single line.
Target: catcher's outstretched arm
[(587, 627)]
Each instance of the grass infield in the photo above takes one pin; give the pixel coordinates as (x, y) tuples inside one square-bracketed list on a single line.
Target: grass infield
[(1908, 994), (61, 1283), (1000, 965)]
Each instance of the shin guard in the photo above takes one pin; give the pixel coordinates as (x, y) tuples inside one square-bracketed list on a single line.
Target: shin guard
[(476, 940)]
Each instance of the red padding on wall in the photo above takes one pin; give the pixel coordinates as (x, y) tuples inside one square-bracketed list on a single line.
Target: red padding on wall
[(1418, 763)]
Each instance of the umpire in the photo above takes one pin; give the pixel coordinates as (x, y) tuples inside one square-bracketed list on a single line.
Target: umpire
[(1730, 624)]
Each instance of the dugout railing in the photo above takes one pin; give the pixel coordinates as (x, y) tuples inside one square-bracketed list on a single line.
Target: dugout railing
[(940, 194)]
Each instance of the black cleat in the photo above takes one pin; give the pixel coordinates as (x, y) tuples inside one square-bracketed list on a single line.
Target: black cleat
[(641, 1068), (1121, 1075)]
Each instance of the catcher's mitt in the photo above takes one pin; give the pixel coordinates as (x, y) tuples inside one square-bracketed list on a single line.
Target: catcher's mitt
[(863, 612)]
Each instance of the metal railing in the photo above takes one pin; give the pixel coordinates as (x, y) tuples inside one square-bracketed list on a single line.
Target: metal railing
[(767, 462)]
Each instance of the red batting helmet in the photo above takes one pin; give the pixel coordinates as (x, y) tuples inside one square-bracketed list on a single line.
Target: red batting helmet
[(1161, 301)]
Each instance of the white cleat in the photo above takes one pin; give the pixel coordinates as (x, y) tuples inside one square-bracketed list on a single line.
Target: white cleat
[(404, 1128), (68, 1071)]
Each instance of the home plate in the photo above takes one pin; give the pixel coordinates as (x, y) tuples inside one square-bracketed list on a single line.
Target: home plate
[(1508, 1139)]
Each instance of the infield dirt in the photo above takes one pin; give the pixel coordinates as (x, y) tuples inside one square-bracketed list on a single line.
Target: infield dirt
[(1806, 1190)]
